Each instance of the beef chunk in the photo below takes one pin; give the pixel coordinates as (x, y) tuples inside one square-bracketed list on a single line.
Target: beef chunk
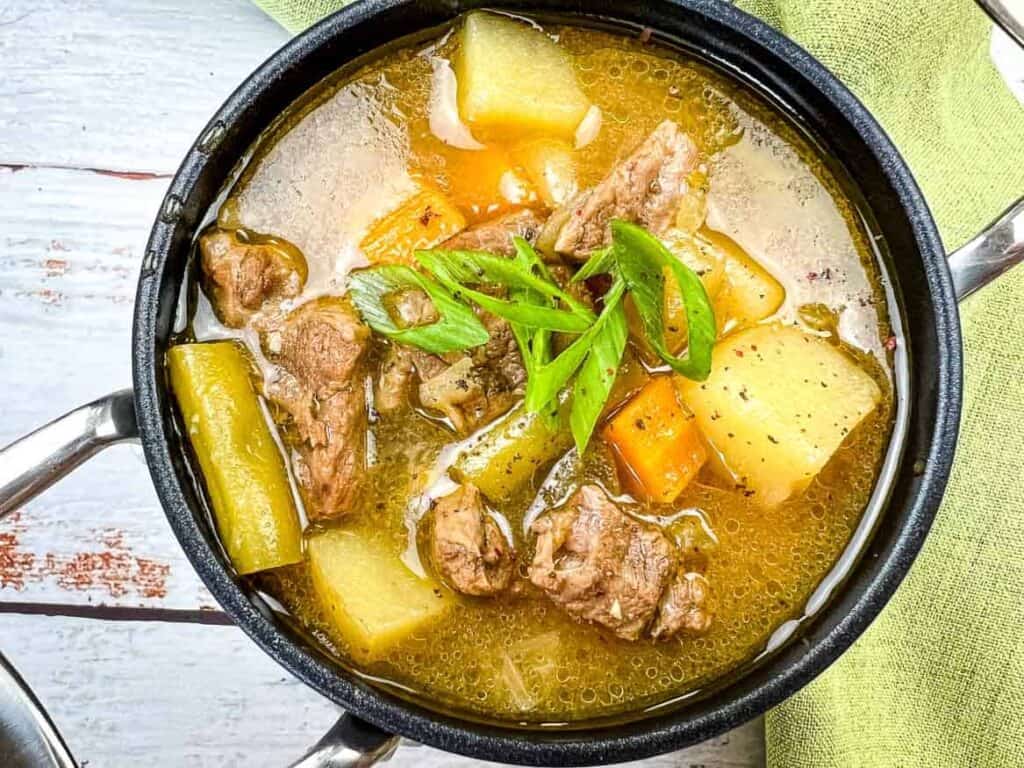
[(495, 235), (469, 390), (562, 274), (320, 350), (600, 564), (413, 308), (468, 549), (240, 276), (644, 188), (461, 392), (456, 386), (684, 608), (400, 367), (476, 389), (500, 357), (472, 390)]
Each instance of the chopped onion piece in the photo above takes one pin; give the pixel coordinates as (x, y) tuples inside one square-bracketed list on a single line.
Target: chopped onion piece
[(514, 188), (445, 122), (589, 127)]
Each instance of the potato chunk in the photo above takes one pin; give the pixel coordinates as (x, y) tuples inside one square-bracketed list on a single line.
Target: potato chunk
[(777, 405), (514, 80), (749, 292), (369, 594), (422, 221)]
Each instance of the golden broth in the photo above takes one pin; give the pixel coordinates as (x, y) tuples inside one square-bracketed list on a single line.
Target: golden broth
[(338, 163)]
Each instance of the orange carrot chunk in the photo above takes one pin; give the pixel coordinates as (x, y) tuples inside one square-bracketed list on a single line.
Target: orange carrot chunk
[(424, 220), (657, 442)]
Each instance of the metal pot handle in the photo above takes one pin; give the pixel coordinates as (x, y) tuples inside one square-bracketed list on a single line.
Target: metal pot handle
[(999, 247), (27, 735), (32, 464), (351, 743)]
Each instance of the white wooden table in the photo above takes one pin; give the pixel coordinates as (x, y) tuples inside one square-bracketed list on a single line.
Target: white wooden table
[(101, 613)]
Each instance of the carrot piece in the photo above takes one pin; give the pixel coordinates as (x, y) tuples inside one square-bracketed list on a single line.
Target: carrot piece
[(656, 441), (424, 220), (487, 182)]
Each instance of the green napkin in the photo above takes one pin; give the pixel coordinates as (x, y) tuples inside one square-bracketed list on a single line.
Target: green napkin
[(938, 679)]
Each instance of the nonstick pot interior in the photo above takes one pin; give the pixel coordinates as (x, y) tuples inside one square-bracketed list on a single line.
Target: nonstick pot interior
[(790, 78)]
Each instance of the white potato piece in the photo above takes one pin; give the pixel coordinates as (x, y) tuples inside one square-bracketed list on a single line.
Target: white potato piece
[(514, 80), (777, 405), (750, 293), (373, 599)]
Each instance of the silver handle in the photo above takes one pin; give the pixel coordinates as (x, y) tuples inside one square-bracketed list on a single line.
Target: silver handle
[(351, 743), (32, 464), (1010, 19), (998, 248), (28, 738), (35, 462)]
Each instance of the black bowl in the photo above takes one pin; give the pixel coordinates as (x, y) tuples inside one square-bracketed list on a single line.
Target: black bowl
[(930, 396)]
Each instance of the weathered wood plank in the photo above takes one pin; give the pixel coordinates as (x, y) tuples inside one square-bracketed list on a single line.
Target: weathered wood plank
[(131, 694), (120, 84), (70, 245)]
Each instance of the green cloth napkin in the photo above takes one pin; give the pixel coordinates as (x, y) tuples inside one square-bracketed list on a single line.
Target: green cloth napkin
[(938, 679)]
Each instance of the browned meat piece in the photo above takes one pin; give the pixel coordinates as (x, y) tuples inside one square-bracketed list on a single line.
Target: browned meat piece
[(685, 607), (400, 367), (600, 564), (469, 391), (320, 349), (468, 549), (240, 277), (495, 235), (450, 390), (413, 308), (475, 390), (644, 188), (500, 356), (562, 274), (468, 395)]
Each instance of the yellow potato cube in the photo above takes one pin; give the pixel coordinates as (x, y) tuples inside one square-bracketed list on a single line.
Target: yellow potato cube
[(514, 80), (749, 293), (373, 599), (424, 220), (777, 405)]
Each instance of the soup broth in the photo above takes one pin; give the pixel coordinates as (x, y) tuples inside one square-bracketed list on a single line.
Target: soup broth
[(361, 144)]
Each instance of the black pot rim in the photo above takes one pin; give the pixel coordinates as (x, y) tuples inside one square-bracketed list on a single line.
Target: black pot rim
[(640, 738)]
